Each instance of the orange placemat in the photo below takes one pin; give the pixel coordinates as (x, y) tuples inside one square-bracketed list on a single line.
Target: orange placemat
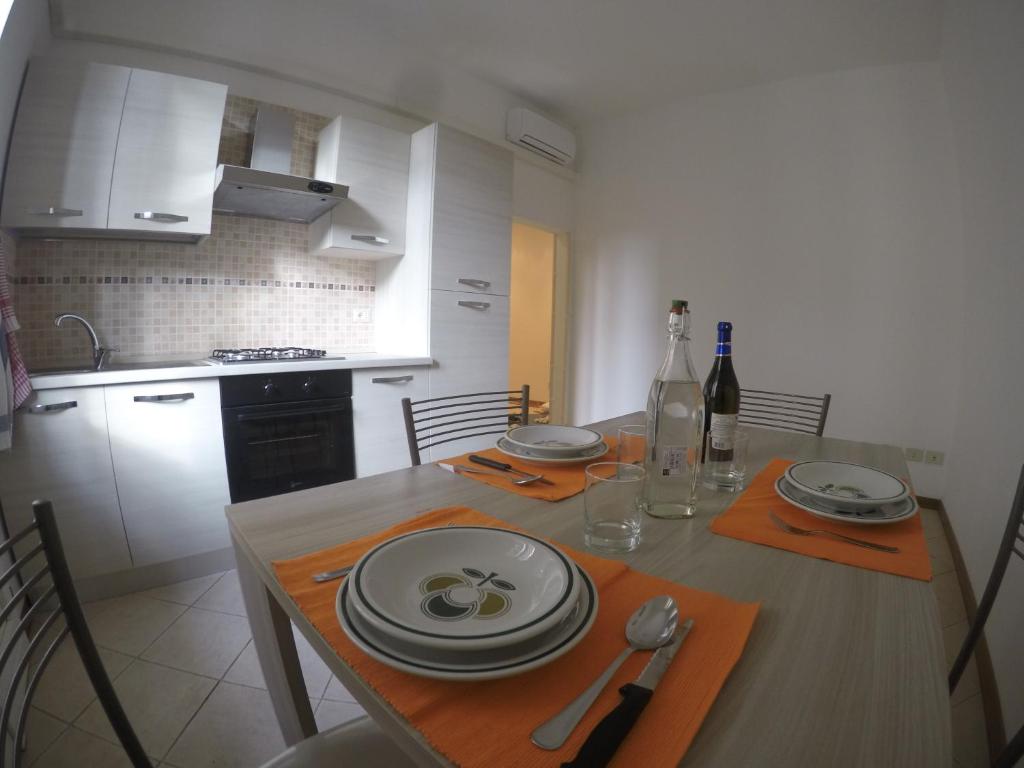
[(748, 519), (488, 723), (568, 479)]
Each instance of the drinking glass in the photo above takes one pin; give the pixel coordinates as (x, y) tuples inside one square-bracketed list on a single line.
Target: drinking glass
[(632, 444), (612, 506), (727, 474)]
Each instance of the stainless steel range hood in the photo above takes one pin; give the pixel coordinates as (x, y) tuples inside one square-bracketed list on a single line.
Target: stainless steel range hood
[(267, 189)]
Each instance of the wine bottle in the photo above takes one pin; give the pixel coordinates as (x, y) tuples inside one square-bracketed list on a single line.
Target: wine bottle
[(722, 396), (675, 426)]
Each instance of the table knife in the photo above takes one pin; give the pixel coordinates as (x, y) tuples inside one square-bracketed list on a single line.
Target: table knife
[(599, 748), (483, 460)]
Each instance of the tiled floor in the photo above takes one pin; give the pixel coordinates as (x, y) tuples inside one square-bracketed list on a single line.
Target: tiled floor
[(184, 667)]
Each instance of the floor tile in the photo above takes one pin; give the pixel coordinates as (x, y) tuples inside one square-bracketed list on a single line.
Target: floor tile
[(236, 727), (159, 703), (65, 689), (129, 624), (203, 642), (224, 596), (941, 555), (77, 749), (951, 603), (970, 744), (184, 592), (332, 713), (41, 730), (931, 521), (970, 684), (246, 669), (338, 692)]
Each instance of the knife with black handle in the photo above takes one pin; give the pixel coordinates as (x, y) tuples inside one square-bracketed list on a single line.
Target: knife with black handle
[(483, 460), (600, 746)]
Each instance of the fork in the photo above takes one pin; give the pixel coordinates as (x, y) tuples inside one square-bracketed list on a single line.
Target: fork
[(788, 528)]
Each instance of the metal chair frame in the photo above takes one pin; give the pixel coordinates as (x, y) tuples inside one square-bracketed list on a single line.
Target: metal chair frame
[(421, 424), (1012, 544), (53, 571), (781, 410)]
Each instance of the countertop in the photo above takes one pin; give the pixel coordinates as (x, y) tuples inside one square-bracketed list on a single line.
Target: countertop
[(198, 369)]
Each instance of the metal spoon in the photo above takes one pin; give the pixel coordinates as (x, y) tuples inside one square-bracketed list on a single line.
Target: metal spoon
[(650, 627)]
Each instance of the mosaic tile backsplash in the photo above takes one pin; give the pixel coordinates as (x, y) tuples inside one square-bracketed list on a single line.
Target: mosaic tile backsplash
[(252, 282)]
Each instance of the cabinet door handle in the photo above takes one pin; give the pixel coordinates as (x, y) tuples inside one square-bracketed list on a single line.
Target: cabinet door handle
[(478, 305), (52, 407), (391, 379), (481, 284), (160, 218), (56, 212), (164, 398), (372, 239)]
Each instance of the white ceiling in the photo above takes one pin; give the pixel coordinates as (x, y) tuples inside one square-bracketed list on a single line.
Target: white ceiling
[(579, 59)]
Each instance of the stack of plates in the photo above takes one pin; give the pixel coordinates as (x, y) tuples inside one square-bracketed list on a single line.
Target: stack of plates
[(550, 444), (466, 603), (851, 493)]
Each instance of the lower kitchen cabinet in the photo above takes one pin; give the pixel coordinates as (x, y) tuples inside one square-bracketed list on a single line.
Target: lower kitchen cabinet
[(377, 394), (168, 456), (60, 452)]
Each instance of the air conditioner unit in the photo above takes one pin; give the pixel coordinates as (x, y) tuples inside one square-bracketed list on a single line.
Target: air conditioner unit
[(540, 135)]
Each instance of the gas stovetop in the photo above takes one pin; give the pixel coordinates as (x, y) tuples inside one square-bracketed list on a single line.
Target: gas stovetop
[(263, 354)]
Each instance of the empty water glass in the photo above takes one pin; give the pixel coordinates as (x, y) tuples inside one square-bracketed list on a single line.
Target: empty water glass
[(728, 469), (632, 444), (613, 506)]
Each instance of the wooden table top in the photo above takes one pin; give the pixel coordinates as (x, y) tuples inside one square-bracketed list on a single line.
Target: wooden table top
[(844, 667)]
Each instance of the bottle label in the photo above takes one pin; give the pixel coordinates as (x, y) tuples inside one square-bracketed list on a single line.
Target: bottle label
[(673, 460), (723, 431)]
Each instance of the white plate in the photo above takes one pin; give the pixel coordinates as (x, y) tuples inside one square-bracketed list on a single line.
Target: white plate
[(531, 457), (464, 587), (552, 440), (842, 485), (882, 515), (472, 665)]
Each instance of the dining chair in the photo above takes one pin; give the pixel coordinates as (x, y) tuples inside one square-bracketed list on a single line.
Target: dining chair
[(440, 420), (40, 626), (1012, 544), (781, 410)]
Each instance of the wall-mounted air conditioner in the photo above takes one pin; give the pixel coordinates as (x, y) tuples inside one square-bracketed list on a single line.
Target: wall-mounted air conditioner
[(540, 135)]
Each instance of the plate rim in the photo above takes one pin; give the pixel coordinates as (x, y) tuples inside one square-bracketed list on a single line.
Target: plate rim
[(551, 459), (873, 502), (581, 630), (465, 642), (838, 517), (599, 438)]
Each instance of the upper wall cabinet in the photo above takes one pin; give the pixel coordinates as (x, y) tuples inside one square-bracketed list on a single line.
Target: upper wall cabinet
[(374, 162), (106, 151)]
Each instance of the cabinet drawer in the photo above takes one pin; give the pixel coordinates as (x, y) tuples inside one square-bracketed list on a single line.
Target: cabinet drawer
[(168, 453), (381, 444), (472, 173), (471, 246), (61, 453)]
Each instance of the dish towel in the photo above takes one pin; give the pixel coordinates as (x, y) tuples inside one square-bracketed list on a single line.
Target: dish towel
[(14, 382), (488, 723), (747, 519)]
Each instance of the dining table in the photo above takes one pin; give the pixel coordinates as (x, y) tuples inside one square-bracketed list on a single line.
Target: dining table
[(844, 666)]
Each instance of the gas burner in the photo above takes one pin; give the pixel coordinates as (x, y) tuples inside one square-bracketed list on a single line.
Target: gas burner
[(265, 353)]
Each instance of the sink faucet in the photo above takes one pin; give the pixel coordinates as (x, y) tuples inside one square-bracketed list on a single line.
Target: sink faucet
[(99, 352)]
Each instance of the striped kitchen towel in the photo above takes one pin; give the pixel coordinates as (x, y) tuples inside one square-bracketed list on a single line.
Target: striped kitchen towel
[(14, 382)]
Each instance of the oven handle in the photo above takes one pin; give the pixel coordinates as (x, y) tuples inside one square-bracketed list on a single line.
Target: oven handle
[(248, 413)]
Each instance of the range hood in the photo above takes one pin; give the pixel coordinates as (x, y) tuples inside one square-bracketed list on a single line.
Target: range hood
[(267, 189)]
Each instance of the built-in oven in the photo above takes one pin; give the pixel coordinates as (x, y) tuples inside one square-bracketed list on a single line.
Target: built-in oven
[(287, 431)]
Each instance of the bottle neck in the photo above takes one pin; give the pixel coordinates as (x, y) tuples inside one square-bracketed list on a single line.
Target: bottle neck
[(678, 365), (724, 347)]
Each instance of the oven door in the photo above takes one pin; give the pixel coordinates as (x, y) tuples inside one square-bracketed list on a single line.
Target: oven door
[(272, 449)]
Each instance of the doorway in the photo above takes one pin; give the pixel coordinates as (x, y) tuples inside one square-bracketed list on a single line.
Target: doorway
[(538, 318)]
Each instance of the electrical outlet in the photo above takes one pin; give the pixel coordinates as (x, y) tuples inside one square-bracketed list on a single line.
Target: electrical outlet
[(913, 454), (934, 457)]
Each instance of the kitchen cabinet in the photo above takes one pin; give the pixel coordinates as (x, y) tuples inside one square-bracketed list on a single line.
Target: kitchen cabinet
[(61, 453), (379, 425), (166, 156), (62, 146), (101, 150), (374, 162), (168, 457)]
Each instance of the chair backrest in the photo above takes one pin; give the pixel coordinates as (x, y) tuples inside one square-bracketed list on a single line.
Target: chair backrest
[(442, 420), (780, 410), (38, 613), (1012, 544)]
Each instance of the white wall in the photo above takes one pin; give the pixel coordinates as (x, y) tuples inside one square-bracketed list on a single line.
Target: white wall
[(26, 28), (820, 215), (983, 63)]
